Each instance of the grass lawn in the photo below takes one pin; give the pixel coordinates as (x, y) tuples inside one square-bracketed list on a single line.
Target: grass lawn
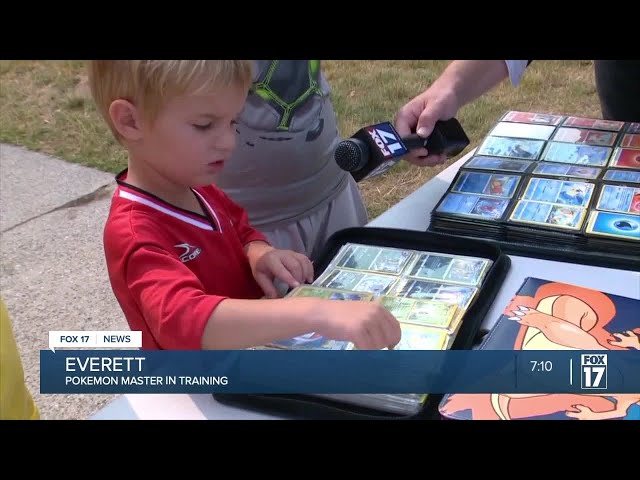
[(45, 106)]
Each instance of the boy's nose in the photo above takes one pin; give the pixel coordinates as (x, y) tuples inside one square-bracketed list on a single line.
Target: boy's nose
[(227, 142)]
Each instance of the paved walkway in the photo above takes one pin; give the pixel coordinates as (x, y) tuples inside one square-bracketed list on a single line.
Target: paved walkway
[(52, 269)]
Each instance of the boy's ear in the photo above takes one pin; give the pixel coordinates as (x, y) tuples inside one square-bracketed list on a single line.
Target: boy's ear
[(126, 119)]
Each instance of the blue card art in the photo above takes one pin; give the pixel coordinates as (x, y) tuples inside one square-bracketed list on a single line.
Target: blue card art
[(494, 185), (614, 225), (511, 147), (473, 205), (577, 154)]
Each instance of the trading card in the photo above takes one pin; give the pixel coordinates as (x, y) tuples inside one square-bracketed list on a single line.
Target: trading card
[(539, 213), (420, 312), (312, 341), (377, 284), (493, 185), (468, 271), (435, 266), (577, 154), (630, 141), (625, 158), (460, 295), (432, 266), (628, 176), (372, 258), (494, 163), (412, 288), (564, 192), (356, 281), (399, 307), (432, 313), (511, 147), (633, 127), (593, 123), (329, 293), (522, 130), (456, 322), (532, 117), (566, 170), (616, 225), (618, 198), (418, 337), (473, 206), (587, 137)]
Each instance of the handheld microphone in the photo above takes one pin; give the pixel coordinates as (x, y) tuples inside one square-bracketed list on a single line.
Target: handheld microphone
[(373, 150)]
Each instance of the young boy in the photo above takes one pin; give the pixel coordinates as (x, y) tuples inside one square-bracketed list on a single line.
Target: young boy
[(185, 265)]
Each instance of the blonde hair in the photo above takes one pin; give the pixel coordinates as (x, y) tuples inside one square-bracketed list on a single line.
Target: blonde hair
[(149, 84)]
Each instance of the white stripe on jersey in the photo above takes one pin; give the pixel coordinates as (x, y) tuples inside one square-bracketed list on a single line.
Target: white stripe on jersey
[(155, 206), (211, 210)]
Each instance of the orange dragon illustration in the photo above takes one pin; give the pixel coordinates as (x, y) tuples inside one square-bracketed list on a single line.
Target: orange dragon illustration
[(557, 317)]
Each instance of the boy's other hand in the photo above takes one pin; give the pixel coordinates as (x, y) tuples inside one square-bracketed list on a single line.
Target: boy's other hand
[(368, 325), (288, 266)]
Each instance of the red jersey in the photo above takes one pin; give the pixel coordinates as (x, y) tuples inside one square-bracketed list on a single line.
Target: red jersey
[(170, 268)]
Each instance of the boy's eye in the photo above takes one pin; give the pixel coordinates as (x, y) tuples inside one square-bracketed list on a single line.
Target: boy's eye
[(205, 126)]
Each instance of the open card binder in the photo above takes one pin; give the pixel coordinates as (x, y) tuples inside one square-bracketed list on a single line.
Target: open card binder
[(551, 186), (439, 288)]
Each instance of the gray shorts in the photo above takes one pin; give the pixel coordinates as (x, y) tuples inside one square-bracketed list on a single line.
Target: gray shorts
[(309, 234)]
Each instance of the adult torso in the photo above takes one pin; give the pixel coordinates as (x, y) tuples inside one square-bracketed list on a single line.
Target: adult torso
[(283, 166)]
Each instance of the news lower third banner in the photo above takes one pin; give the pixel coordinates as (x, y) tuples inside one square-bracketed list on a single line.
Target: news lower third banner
[(364, 372)]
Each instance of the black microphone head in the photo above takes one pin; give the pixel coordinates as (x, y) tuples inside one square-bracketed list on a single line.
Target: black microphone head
[(352, 154)]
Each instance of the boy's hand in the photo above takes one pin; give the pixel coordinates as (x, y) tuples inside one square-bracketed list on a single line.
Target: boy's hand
[(368, 325), (269, 264)]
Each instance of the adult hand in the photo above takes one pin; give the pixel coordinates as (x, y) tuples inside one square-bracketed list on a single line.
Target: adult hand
[(420, 115)]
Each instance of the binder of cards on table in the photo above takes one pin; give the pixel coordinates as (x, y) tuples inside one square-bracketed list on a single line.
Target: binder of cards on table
[(551, 186)]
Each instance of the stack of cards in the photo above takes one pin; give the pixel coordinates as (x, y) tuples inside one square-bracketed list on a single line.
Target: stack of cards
[(478, 201), (563, 181), (616, 216), (428, 292)]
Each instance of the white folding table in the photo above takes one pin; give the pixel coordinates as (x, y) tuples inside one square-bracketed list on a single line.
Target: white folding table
[(412, 213)]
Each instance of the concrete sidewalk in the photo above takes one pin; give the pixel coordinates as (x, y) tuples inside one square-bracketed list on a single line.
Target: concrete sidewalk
[(52, 270)]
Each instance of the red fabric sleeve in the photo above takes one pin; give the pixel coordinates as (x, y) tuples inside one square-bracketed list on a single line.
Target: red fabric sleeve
[(170, 297)]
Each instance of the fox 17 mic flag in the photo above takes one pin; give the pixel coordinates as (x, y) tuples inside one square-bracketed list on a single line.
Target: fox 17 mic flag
[(359, 371)]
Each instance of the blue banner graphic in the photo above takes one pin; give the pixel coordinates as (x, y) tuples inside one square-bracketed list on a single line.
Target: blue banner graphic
[(380, 371)]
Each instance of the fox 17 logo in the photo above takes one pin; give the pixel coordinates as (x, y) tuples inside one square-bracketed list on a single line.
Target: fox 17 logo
[(387, 140), (594, 371)]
